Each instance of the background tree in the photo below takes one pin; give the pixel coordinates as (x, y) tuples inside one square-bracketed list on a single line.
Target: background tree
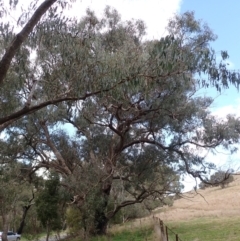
[(219, 178), (11, 195), (47, 205), (33, 183)]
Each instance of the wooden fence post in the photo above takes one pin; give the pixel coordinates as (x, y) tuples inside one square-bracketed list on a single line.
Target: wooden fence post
[(161, 226), (176, 237), (167, 233), (163, 230)]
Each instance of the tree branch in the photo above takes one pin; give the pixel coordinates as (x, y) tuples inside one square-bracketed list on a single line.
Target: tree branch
[(21, 37), (55, 150)]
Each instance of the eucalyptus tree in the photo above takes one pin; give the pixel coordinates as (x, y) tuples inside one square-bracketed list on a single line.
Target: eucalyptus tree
[(138, 121)]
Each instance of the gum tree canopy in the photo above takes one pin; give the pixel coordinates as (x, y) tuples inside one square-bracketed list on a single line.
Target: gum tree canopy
[(119, 117)]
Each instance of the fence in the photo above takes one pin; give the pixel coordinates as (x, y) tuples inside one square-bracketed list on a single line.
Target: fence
[(164, 233)]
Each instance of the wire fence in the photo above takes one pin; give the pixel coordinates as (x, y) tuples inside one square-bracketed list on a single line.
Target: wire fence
[(163, 232)]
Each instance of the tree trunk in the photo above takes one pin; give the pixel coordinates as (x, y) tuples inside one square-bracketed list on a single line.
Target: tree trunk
[(101, 221), (48, 231), (5, 226), (22, 224)]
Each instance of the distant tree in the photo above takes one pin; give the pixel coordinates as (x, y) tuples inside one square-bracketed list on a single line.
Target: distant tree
[(219, 178), (11, 189), (47, 204), (202, 185)]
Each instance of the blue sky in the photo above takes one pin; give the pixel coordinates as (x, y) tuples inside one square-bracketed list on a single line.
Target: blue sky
[(223, 18)]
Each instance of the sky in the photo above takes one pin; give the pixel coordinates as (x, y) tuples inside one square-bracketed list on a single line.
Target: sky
[(155, 13), (223, 18)]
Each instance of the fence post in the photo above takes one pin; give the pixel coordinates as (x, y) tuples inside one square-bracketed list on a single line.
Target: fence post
[(163, 230), (167, 233), (176, 237), (161, 226)]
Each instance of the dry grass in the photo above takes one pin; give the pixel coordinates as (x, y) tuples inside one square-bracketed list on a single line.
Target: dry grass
[(211, 202)]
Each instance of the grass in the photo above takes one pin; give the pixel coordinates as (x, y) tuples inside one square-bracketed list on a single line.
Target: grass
[(138, 234), (207, 229), (135, 235)]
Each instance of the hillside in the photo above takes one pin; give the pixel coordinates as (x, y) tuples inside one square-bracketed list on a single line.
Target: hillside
[(211, 202)]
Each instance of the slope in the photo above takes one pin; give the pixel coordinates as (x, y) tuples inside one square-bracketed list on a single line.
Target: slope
[(211, 202)]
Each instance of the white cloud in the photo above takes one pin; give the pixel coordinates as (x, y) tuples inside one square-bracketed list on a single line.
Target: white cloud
[(155, 13), (2, 135), (223, 111)]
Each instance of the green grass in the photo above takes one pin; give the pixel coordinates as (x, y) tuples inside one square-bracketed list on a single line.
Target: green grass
[(207, 229), (199, 229), (135, 235), (138, 234)]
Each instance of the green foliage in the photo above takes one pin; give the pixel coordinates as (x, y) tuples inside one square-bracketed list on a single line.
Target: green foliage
[(137, 234), (47, 204), (73, 219), (11, 187)]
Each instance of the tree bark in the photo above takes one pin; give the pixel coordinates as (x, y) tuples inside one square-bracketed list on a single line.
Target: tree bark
[(22, 224), (48, 231), (101, 220)]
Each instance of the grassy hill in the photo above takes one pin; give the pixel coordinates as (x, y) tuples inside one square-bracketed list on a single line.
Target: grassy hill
[(211, 202)]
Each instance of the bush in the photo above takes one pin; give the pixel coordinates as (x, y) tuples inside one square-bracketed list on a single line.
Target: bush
[(73, 219)]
